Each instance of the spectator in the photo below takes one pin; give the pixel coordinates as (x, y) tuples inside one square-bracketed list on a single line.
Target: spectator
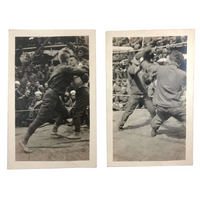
[(118, 72), (36, 86), (66, 99), (46, 86), (73, 97), (124, 83), (30, 75), (69, 105), (39, 74), (35, 105), (82, 61), (121, 99), (23, 108), (117, 86), (22, 79), (41, 89), (45, 71), (29, 87), (17, 92)]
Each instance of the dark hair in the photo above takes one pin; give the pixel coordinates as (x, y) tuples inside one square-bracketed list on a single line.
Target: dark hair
[(177, 57), (64, 57)]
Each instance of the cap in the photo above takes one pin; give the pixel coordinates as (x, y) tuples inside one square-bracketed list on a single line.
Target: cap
[(17, 82), (66, 94), (38, 92), (73, 92)]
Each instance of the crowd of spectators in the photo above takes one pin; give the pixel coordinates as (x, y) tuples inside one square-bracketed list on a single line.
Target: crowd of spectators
[(140, 42), (31, 82), (25, 42), (161, 48)]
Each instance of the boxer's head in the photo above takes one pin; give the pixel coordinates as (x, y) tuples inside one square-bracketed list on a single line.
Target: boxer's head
[(64, 54), (176, 57), (73, 61)]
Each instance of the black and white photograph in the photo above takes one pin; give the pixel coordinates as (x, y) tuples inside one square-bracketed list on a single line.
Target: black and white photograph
[(151, 97), (53, 74)]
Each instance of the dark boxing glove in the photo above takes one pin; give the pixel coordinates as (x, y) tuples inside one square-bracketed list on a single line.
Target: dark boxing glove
[(85, 78), (86, 68), (147, 79), (146, 52)]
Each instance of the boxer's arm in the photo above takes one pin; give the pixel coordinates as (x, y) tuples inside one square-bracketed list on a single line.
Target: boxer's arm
[(133, 69), (75, 71)]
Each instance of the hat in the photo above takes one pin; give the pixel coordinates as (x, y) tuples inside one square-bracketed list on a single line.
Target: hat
[(38, 92), (17, 82), (73, 92), (40, 86), (66, 94)]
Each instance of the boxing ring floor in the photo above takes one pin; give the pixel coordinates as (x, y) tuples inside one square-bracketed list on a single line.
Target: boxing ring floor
[(47, 147), (135, 143)]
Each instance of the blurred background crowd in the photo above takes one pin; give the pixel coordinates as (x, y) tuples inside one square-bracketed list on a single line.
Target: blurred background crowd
[(35, 60), (125, 48)]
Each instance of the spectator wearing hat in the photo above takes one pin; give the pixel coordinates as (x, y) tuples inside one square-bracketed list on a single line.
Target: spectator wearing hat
[(17, 92), (73, 98)]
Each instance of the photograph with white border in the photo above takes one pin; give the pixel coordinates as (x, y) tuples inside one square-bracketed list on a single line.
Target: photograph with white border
[(150, 97), (52, 99)]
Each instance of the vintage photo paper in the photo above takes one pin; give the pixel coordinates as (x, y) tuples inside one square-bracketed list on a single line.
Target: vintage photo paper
[(150, 97), (52, 99)]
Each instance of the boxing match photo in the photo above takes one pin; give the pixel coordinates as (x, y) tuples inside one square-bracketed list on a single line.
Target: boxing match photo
[(52, 117), (150, 97)]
